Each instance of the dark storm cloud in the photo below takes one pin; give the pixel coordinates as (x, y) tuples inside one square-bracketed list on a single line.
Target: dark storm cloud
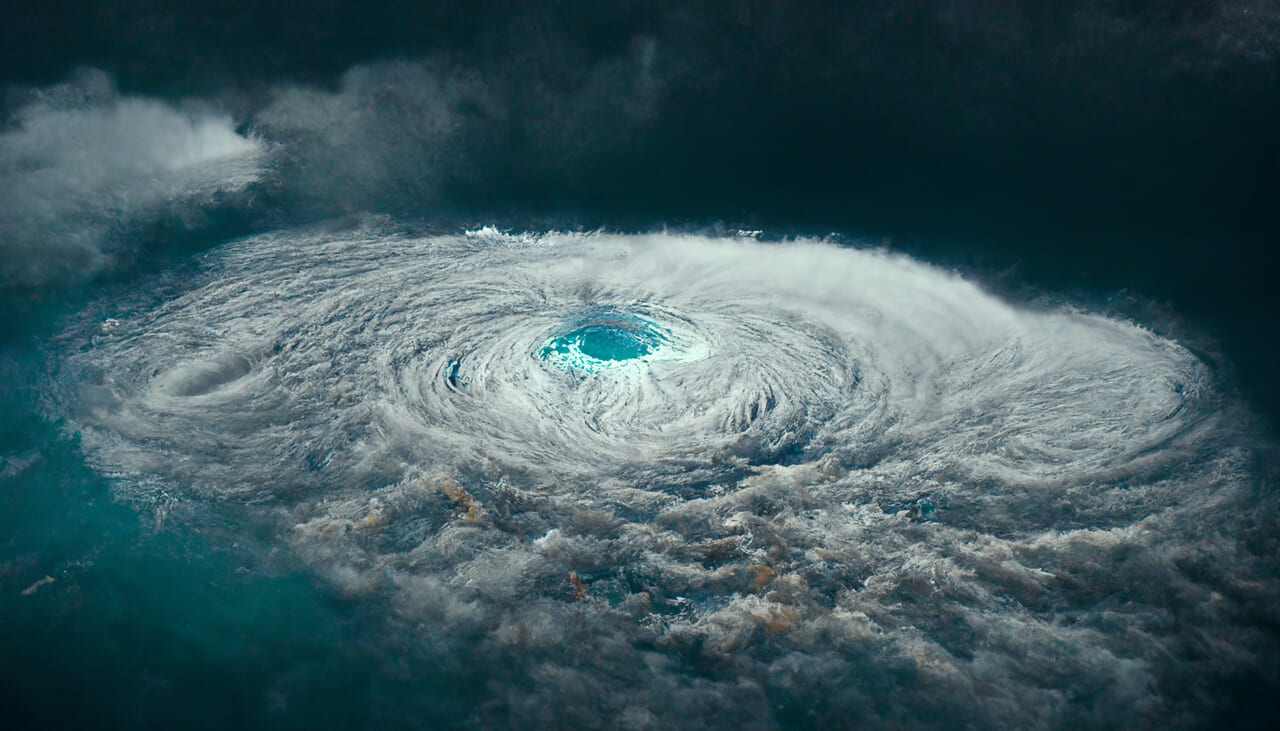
[(828, 113), (415, 137), (299, 38)]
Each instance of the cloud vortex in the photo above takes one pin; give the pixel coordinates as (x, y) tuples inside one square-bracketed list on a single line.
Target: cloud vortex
[(829, 486)]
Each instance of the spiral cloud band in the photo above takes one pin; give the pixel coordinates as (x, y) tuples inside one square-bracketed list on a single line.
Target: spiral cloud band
[(669, 480)]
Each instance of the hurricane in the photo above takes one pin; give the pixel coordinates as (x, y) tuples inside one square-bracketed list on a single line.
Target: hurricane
[(760, 480), (641, 366)]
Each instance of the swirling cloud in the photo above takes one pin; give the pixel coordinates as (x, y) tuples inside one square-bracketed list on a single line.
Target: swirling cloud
[(837, 486)]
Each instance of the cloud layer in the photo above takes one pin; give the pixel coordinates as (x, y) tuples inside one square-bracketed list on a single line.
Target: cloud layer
[(86, 170), (864, 492)]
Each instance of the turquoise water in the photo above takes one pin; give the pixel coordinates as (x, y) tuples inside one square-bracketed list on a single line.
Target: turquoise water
[(603, 340), (152, 629), (149, 627)]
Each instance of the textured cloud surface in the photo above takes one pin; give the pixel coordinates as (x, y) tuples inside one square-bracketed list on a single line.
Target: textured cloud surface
[(85, 169), (846, 489)]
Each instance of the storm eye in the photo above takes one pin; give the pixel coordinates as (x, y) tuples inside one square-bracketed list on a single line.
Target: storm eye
[(603, 340)]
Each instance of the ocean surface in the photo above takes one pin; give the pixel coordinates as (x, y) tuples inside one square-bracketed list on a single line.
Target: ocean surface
[(699, 365)]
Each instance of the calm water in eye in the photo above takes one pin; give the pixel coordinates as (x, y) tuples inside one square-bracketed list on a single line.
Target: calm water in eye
[(602, 343)]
